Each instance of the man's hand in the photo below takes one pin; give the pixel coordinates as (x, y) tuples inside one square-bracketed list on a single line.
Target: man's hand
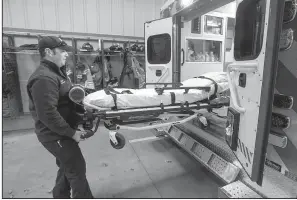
[(77, 135), (87, 134)]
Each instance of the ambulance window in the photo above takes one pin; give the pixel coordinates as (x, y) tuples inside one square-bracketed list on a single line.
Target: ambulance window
[(159, 49), (203, 50), (250, 21), (213, 25)]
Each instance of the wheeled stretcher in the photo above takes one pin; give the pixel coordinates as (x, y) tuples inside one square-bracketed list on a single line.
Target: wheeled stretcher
[(119, 107)]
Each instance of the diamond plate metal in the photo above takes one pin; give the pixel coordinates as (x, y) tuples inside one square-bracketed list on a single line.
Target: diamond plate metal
[(175, 134), (239, 190), (201, 152), (275, 184), (218, 164), (216, 144), (189, 144), (183, 139), (221, 168), (291, 176)]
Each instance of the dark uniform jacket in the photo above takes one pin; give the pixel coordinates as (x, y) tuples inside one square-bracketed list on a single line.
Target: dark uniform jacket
[(49, 103)]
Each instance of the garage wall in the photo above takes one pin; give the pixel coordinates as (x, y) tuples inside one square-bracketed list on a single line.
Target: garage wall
[(112, 17)]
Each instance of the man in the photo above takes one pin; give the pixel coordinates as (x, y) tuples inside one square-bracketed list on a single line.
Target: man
[(52, 111)]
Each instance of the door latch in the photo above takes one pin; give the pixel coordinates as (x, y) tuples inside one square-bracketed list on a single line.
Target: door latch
[(158, 72), (242, 80)]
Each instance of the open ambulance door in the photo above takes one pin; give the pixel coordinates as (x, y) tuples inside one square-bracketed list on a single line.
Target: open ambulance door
[(251, 79), (158, 44)]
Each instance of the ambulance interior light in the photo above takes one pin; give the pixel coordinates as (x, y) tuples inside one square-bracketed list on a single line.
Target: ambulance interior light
[(185, 3)]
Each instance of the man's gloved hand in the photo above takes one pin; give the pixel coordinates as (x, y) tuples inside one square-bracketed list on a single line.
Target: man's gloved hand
[(87, 134), (78, 135)]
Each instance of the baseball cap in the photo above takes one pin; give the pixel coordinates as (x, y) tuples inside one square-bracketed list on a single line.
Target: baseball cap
[(52, 42)]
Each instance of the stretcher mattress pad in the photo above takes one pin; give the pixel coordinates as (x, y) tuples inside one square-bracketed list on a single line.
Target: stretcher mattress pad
[(138, 98)]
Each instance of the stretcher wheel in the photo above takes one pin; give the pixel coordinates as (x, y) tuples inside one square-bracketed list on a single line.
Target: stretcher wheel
[(121, 141)]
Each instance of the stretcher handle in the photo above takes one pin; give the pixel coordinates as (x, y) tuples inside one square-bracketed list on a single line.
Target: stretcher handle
[(89, 116), (161, 90), (249, 67), (165, 84), (97, 125), (131, 128), (90, 133)]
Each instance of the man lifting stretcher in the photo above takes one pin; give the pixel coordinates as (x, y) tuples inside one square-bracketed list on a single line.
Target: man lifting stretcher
[(118, 107)]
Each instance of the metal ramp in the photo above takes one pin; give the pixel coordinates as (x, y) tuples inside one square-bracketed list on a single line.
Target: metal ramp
[(226, 171), (223, 169), (213, 152), (275, 184)]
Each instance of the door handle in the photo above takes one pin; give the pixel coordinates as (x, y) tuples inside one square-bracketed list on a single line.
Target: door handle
[(183, 51), (242, 67)]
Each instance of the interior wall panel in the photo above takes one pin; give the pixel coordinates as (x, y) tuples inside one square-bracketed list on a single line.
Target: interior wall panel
[(34, 14), (148, 10), (92, 16), (129, 18), (138, 18), (64, 13), (158, 5), (49, 15), (105, 16), (6, 14), (16, 8), (114, 17), (144, 11), (78, 16), (57, 13), (117, 21)]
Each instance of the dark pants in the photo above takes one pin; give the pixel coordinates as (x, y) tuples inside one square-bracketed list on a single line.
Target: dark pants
[(72, 170)]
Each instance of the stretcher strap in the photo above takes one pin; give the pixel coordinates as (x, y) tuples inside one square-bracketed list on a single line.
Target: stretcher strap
[(114, 96), (215, 84), (109, 90), (113, 93), (126, 92), (172, 98)]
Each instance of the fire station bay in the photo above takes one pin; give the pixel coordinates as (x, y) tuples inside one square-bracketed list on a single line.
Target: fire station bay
[(153, 99)]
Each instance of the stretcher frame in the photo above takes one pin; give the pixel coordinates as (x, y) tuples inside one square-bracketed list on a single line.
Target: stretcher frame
[(116, 120)]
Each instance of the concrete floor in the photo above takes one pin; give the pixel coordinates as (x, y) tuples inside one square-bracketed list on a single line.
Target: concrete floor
[(154, 168)]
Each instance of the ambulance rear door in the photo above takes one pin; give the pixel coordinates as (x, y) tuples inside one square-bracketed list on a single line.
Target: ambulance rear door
[(251, 79), (158, 44)]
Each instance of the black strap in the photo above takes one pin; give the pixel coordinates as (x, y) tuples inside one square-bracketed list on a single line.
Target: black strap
[(109, 90), (113, 93), (172, 98), (215, 84), (162, 106), (114, 96), (126, 92)]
